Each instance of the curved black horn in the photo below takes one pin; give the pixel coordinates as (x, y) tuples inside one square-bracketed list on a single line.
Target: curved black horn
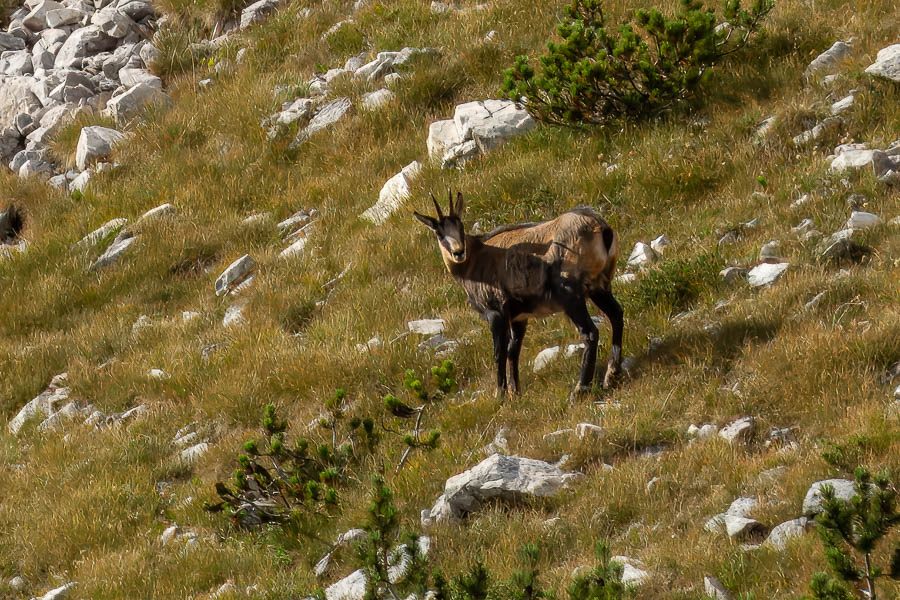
[(450, 201), (440, 215)]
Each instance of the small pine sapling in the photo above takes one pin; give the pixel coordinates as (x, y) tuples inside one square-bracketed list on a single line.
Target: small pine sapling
[(381, 529), (444, 380), (600, 73), (603, 583), (474, 585), (299, 483), (850, 531), (524, 583)]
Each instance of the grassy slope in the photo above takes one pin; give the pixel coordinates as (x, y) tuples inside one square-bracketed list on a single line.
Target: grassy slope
[(87, 509)]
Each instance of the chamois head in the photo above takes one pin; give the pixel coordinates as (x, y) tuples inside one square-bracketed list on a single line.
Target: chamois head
[(449, 229)]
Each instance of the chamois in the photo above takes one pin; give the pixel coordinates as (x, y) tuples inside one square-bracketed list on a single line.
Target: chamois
[(517, 272)]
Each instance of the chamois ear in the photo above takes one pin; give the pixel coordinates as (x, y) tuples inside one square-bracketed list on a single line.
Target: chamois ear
[(460, 205), (429, 222)]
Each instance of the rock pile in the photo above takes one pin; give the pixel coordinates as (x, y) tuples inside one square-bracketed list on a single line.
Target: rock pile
[(59, 59)]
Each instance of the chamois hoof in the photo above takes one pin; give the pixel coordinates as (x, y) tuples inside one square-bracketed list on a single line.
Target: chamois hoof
[(612, 379), (580, 391)]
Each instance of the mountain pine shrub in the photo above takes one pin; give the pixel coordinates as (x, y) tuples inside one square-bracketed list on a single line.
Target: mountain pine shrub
[(278, 482), (640, 69), (850, 532)]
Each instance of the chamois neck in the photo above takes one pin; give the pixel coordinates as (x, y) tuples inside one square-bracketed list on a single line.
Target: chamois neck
[(473, 248)]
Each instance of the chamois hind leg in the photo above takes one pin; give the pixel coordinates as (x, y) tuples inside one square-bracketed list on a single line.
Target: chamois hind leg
[(499, 325), (575, 308), (517, 334), (613, 311)]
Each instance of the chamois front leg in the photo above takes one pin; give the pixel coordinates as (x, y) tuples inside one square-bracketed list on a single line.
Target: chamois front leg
[(613, 311), (517, 334), (577, 311), (499, 325)]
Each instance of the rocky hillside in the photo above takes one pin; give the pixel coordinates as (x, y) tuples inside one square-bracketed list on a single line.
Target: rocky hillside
[(206, 208)]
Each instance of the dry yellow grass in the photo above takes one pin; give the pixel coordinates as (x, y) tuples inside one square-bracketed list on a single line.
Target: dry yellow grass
[(87, 507)]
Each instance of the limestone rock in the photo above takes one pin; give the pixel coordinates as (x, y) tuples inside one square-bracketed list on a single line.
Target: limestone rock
[(766, 273), (661, 244), (126, 105), (887, 63), (257, 11), (714, 589), (742, 507), (844, 489), (498, 477), (58, 593), (426, 326), (45, 403), (112, 22), (633, 570), (378, 98), (131, 77), (16, 98), (82, 43), (114, 252), (740, 430), (862, 220), (490, 122), (192, 454), (95, 143), (589, 430), (234, 314), (544, 358), (732, 274), (395, 191), (770, 252), (235, 274), (827, 62), (642, 255), (737, 528), (442, 135), (101, 232), (781, 534), (843, 104), (327, 115)]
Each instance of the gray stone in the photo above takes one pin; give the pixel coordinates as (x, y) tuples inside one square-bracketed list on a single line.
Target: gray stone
[(67, 413), (498, 477), (714, 589), (45, 403), (58, 593), (327, 115), (766, 273), (733, 274), (817, 132), (82, 43), (60, 17), (633, 570), (9, 142), (862, 220), (292, 222), (35, 168), (490, 122), (130, 77), (235, 274), (544, 358), (887, 64), (589, 431), (192, 454), (642, 255), (112, 22), (781, 534), (426, 326), (661, 244), (15, 63), (839, 245), (10, 42), (105, 230), (458, 155), (770, 252), (378, 98), (442, 135), (737, 528), (125, 106), (844, 489), (154, 214), (296, 248), (95, 143), (81, 182), (843, 104), (16, 98), (740, 430), (392, 194), (17, 583), (742, 507), (257, 12), (827, 62), (114, 252), (36, 20)]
